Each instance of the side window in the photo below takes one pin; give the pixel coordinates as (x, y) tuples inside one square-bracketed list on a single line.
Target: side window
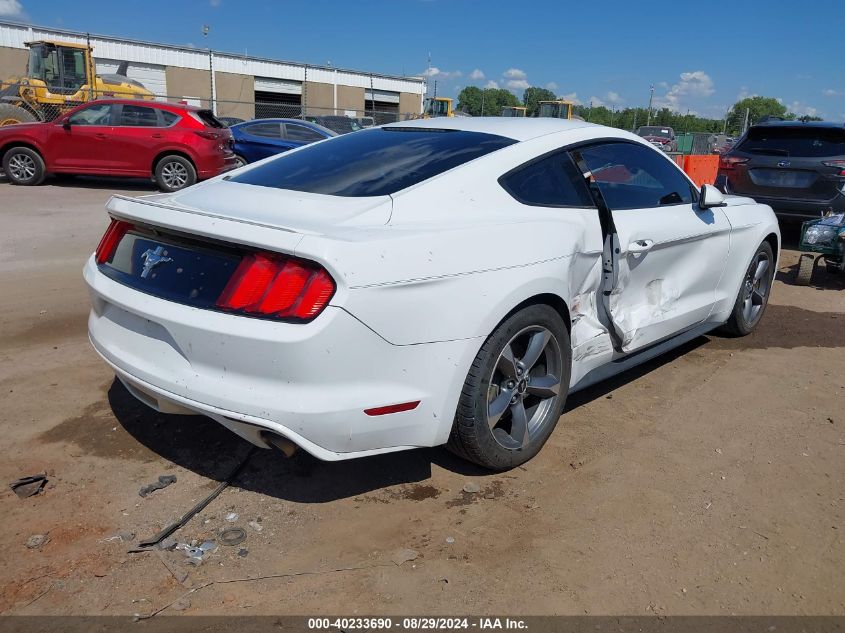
[(138, 116), (302, 134), (94, 115), (552, 181), (632, 176), (265, 130), (168, 117)]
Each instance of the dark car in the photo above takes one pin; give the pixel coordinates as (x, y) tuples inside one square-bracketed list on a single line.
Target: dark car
[(262, 138), (229, 121), (173, 144), (661, 136), (796, 168), (339, 124)]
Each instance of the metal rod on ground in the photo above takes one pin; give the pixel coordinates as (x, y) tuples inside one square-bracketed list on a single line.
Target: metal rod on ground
[(170, 529)]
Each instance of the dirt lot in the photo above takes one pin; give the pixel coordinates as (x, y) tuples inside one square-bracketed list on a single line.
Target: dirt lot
[(710, 482)]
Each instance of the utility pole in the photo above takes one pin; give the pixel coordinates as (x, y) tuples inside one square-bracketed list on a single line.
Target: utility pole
[(212, 86), (482, 102), (745, 124), (650, 99)]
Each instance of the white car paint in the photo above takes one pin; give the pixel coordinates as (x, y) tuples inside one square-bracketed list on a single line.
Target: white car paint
[(423, 277)]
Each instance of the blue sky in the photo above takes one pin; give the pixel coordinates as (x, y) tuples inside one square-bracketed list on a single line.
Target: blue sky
[(699, 56)]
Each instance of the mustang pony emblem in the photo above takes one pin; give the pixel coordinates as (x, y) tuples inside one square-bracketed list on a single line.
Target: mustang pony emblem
[(153, 258)]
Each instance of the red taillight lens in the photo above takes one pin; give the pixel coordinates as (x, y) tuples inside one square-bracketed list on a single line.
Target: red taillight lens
[(729, 162), (838, 164), (393, 408), (211, 136), (270, 285), (105, 249)]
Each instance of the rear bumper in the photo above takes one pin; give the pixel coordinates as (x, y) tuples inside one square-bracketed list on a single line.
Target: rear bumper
[(307, 382), (217, 167), (788, 207)]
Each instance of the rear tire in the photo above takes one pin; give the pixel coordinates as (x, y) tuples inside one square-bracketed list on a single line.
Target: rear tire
[(12, 114), (173, 172), (806, 266), (753, 295), (24, 166), (514, 393)]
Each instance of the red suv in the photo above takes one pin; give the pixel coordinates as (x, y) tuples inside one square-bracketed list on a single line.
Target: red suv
[(175, 145)]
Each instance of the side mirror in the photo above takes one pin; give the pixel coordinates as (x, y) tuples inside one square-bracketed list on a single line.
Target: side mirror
[(711, 197), (66, 123)]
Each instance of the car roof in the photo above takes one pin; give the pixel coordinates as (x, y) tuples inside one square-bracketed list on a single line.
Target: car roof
[(146, 102), (777, 123), (310, 124), (519, 129)]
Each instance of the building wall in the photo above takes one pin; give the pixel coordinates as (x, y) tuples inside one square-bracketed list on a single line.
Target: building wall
[(350, 98), (409, 103), (12, 62), (318, 97), (188, 82), (235, 94)]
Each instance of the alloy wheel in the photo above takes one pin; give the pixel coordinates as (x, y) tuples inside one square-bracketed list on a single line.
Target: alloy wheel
[(22, 167), (524, 386), (756, 288), (174, 175)]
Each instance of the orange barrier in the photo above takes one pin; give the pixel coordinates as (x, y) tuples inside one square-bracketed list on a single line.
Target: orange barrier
[(702, 169)]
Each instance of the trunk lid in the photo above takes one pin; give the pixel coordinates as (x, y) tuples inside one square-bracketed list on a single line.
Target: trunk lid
[(293, 211)]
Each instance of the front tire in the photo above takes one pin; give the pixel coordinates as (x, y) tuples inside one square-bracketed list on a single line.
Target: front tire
[(515, 390), (174, 172), (24, 166), (12, 115), (240, 161), (753, 296)]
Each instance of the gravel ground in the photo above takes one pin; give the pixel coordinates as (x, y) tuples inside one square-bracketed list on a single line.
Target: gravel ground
[(707, 482)]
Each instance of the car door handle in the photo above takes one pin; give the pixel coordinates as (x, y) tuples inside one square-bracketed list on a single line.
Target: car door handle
[(640, 246), (156, 135), (100, 136)]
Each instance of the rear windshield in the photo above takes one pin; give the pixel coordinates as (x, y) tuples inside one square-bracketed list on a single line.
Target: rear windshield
[(811, 142), (373, 162), (207, 117), (655, 131)]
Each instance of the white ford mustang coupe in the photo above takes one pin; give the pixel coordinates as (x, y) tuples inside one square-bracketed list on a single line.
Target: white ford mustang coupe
[(446, 281)]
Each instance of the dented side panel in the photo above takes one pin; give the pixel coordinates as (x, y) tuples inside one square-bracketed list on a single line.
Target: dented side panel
[(670, 261)]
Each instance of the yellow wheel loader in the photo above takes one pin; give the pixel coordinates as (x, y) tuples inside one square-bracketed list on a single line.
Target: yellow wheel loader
[(560, 109), (60, 76), (517, 111)]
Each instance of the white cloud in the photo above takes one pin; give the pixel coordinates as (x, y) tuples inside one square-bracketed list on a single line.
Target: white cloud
[(215, 3), (491, 84), (830, 92), (613, 98), (514, 73), (551, 86), (435, 73), (595, 102), (516, 84), (802, 109), (694, 84), (572, 96), (477, 75), (11, 9)]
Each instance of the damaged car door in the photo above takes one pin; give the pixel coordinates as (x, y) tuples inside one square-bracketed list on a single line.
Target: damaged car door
[(667, 253)]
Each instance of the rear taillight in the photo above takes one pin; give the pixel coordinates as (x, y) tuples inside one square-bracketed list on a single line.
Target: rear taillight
[(211, 136), (729, 162), (105, 249), (276, 286), (837, 164)]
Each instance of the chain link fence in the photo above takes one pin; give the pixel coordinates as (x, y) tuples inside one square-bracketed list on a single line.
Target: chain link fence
[(23, 103)]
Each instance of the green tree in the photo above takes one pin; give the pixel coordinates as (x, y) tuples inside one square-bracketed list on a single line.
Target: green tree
[(469, 100), (487, 102), (757, 107), (532, 97)]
